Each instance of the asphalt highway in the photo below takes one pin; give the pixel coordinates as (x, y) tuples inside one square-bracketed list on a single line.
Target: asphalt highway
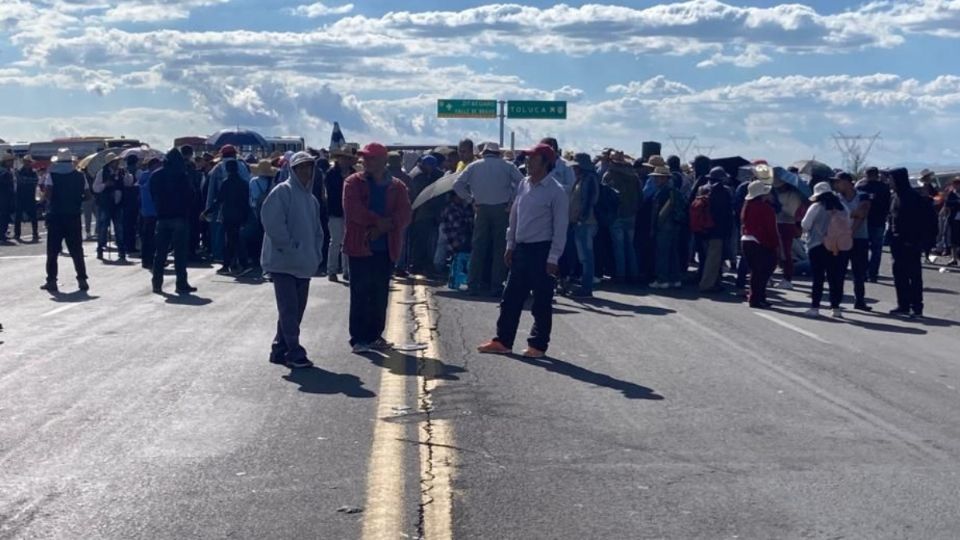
[(125, 414)]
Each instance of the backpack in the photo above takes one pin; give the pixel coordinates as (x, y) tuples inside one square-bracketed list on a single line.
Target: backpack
[(839, 235), (608, 202), (701, 219)]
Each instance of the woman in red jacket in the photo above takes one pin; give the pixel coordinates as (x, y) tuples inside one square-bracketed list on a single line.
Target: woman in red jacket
[(760, 241)]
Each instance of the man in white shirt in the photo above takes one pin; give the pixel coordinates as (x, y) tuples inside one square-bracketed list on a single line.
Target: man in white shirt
[(535, 240)]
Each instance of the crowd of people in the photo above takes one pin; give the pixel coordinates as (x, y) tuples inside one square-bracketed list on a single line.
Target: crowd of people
[(505, 225)]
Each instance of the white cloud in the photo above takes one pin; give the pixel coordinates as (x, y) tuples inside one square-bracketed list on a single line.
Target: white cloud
[(319, 9), (749, 57)]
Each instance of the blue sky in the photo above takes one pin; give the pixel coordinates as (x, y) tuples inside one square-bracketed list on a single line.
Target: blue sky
[(761, 79)]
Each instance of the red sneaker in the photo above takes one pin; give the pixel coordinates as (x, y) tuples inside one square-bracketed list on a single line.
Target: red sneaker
[(493, 347)]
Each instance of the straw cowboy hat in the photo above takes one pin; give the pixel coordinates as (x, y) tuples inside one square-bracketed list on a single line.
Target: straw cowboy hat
[(661, 171), (763, 173), (489, 148), (757, 188), (656, 161), (7, 156), (110, 158), (263, 168)]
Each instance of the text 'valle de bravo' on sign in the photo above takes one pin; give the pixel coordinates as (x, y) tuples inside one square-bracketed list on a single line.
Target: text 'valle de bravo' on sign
[(544, 110), (466, 108)]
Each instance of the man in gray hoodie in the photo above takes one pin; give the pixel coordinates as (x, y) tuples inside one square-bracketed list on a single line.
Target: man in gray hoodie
[(292, 250)]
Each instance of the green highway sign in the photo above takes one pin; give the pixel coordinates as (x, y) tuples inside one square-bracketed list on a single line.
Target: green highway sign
[(466, 108), (544, 110)]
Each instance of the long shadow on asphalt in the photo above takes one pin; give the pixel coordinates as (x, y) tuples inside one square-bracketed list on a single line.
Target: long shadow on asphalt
[(409, 365), (630, 390), (72, 298), (320, 381), (877, 327), (592, 304), (186, 299)]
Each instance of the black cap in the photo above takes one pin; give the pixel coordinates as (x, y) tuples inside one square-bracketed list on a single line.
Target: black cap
[(843, 176), (872, 171)]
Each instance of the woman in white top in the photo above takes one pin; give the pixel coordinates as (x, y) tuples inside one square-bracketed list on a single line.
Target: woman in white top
[(823, 224)]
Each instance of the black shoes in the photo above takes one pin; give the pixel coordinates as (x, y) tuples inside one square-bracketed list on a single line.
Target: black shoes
[(186, 289), (300, 363), (84, 286), (50, 286), (862, 306)]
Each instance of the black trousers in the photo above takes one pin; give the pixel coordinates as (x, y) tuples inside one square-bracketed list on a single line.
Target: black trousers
[(824, 264), (65, 229), (28, 211), (761, 262), (148, 240), (291, 293), (907, 275), (171, 231), (528, 273), (369, 293), (859, 262), (233, 248)]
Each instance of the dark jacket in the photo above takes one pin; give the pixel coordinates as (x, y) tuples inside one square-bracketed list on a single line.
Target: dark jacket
[(234, 200), (721, 209), (66, 196), (171, 188), (7, 192), (26, 188), (624, 178), (333, 184), (880, 200), (910, 213)]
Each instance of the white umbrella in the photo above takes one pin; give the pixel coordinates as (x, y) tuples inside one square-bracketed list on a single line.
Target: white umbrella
[(441, 187)]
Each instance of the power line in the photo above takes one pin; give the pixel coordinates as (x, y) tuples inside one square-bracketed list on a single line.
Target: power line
[(855, 149), (682, 144), (705, 150)]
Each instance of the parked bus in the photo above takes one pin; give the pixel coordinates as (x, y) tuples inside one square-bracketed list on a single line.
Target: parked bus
[(284, 144), (81, 147), (199, 144)]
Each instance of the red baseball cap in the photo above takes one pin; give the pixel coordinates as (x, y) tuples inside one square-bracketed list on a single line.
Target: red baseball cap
[(543, 150), (228, 150), (373, 150)]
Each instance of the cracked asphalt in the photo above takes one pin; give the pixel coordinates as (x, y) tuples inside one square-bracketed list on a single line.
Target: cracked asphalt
[(129, 415)]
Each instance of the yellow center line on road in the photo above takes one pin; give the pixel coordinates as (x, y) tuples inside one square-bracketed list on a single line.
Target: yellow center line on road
[(383, 512), (436, 435)]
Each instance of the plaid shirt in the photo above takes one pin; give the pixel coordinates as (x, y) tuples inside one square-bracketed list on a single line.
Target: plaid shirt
[(456, 223)]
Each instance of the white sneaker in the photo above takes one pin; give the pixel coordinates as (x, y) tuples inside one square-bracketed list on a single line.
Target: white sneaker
[(812, 312), (837, 313), (785, 285)]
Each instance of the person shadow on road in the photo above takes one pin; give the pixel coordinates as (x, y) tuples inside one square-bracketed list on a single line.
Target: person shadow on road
[(628, 389), (315, 380)]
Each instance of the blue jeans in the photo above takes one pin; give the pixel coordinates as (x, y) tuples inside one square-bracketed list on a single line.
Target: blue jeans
[(105, 216), (623, 231), (876, 251), (583, 234)]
